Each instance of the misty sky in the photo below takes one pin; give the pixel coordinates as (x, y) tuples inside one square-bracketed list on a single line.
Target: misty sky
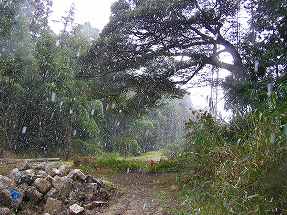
[(97, 12)]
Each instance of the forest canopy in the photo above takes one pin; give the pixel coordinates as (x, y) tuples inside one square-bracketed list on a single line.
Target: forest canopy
[(87, 84)]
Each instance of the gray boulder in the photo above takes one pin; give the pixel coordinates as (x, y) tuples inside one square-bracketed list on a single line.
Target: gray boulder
[(56, 171), (41, 174), (76, 209), (33, 195), (96, 204), (53, 193), (29, 172), (23, 176), (64, 170), (5, 211), (41, 166), (6, 182), (24, 166), (63, 185), (5, 199), (77, 175), (53, 206), (16, 175), (43, 185), (92, 187)]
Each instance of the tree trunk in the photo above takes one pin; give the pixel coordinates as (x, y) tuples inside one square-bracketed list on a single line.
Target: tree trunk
[(67, 142)]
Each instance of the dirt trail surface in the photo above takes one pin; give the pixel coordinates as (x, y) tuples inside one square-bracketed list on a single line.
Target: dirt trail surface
[(140, 194)]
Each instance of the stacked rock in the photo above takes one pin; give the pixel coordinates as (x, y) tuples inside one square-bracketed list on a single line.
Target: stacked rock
[(46, 189)]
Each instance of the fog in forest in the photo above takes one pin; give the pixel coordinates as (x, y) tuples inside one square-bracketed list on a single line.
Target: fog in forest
[(179, 106)]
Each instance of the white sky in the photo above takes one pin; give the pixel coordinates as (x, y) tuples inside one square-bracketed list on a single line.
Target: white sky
[(97, 12), (200, 96)]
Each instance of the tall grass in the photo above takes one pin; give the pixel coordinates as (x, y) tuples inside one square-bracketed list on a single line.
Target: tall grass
[(235, 169)]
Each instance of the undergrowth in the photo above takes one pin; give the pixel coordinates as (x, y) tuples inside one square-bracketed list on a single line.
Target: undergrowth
[(242, 175), (120, 164)]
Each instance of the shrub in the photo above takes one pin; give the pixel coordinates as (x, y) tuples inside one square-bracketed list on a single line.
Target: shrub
[(235, 176), (163, 166), (127, 145), (204, 133), (81, 147)]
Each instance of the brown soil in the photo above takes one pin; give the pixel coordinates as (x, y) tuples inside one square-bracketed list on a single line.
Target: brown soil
[(141, 194)]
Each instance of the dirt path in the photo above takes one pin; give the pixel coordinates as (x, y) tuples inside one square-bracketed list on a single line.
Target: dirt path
[(140, 194)]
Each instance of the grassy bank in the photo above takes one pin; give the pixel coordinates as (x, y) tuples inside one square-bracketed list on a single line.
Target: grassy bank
[(151, 162)]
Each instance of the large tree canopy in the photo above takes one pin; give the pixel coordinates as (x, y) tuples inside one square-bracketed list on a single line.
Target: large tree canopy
[(141, 31), (183, 38)]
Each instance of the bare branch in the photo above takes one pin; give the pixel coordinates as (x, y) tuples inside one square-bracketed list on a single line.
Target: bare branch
[(192, 75)]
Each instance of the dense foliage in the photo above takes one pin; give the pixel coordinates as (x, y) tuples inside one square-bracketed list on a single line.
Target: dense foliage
[(47, 103), (121, 90)]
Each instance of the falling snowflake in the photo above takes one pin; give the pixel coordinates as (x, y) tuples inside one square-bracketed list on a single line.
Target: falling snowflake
[(53, 97), (74, 132), (269, 89), (256, 68), (93, 112), (24, 130)]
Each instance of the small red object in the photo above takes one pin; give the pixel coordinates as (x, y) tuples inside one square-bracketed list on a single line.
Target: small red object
[(152, 163)]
